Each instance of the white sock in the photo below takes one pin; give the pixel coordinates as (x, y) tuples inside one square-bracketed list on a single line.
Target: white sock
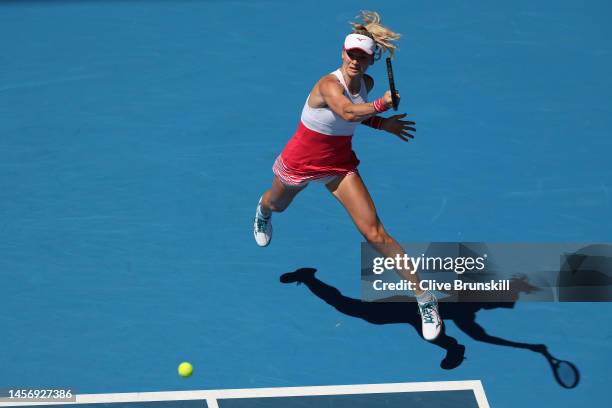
[(425, 297), (261, 213)]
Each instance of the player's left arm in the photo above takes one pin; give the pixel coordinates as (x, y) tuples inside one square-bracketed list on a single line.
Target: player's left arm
[(393, 124)]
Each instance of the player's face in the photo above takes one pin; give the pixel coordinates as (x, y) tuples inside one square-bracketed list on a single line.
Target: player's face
[(356, 61)]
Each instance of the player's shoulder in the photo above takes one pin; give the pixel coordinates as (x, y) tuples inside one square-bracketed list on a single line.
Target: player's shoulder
[(330, 83), (369, 82)]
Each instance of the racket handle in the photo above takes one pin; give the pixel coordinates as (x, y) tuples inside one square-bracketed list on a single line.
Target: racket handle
[(394, 98)]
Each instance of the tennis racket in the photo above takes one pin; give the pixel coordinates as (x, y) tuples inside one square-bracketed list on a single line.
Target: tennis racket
[(394, 97)]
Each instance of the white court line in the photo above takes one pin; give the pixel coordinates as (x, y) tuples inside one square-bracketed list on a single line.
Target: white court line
[(481, 397), (212, 395), (212, 403)]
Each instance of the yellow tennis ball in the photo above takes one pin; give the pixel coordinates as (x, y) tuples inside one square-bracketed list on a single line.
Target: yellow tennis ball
[(185, 369)]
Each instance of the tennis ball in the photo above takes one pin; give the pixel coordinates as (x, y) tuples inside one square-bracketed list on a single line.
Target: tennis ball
[(185, 369)]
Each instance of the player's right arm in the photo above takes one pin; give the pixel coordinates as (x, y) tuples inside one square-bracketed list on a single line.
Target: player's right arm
[(332, 94)]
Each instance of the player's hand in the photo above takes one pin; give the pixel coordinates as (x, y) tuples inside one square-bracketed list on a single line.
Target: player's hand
[(388, 100), (400, 128)]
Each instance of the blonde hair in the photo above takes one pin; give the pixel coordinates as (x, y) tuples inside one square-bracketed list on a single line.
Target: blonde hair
[(383, 37)]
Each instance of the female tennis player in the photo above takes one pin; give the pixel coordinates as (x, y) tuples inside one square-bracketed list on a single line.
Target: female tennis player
[(321, 150)]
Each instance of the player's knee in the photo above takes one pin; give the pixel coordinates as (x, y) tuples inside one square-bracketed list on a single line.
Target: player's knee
[(377, 235)]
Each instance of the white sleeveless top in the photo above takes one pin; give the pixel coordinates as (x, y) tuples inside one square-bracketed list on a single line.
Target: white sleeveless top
[(326, 121)]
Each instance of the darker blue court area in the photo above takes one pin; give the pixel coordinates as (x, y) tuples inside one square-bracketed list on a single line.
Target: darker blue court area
[(443, 399), (136, 138), (391, 400)]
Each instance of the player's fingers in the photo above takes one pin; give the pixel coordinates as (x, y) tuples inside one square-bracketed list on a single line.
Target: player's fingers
[(404, 133), (405, 139)]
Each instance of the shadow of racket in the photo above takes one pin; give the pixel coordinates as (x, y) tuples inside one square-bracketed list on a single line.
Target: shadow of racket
[(566, 373)]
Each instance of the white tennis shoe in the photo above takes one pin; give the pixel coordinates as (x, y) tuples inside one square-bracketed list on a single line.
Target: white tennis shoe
[(431, 322), (262, 227)]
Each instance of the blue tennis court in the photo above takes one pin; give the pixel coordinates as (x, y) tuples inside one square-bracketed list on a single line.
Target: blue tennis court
[(441, 394), (137, 136)]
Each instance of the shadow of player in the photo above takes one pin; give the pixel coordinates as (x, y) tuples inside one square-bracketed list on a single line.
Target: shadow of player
[(402, 309)]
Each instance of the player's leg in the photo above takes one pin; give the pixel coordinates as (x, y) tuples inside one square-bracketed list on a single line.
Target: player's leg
[(279, 196), (355, 197), (276, 199)]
